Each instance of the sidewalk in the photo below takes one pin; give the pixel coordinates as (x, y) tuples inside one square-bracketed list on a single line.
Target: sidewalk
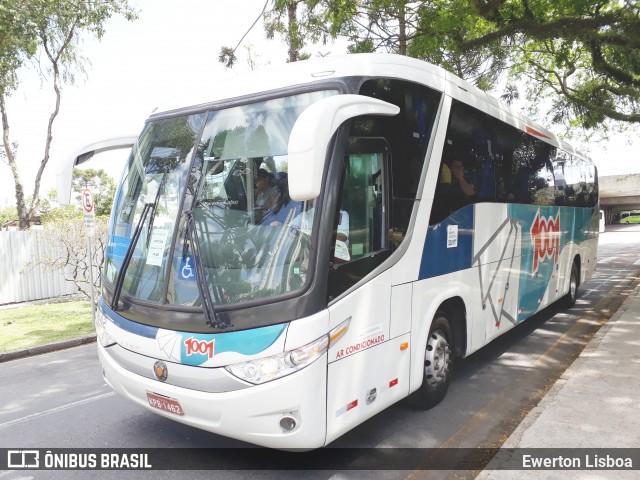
[(593, 405)]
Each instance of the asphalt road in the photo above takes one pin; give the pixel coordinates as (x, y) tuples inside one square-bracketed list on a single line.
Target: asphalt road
[(59, 400)]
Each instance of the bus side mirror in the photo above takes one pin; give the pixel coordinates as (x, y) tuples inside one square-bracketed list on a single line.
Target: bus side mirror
[(312, 133), (65, 169)]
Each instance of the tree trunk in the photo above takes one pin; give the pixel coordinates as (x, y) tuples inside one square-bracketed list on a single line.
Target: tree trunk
[(294, 42), (24, 221), (47, 146), (402, 30)]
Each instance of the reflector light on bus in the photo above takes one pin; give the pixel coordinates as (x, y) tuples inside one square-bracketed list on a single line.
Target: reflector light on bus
[(338, 332)]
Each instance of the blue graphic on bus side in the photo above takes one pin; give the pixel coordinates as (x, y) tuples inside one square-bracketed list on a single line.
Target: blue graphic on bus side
[(437, 259), (545, 232)]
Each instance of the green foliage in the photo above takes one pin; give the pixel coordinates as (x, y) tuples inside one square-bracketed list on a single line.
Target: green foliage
[(441, 28), (297, 21), (52, 28), (62, 213), (17, 42), (583, 55), (47, 33), (227, 56), (103, 188), (8, 214)]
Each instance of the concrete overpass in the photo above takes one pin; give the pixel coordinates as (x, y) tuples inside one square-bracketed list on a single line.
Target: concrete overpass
[(619, 192)]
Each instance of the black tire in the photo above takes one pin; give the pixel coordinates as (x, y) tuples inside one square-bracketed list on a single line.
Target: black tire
[(569, 300), (438, 364)]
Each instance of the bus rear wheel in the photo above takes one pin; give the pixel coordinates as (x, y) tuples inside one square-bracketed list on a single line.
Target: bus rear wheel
[(438, 364), (570, 298)]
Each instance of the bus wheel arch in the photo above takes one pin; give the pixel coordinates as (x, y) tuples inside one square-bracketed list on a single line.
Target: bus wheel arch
[(445, 342), (456, 312)]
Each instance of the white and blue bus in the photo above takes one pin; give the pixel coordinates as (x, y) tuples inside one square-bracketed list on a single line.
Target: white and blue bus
[(292, 252)]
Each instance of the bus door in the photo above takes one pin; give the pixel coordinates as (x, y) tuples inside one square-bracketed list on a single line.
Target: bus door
[(368, 370)]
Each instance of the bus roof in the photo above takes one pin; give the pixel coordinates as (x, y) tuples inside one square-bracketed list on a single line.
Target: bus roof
[(311, 71)]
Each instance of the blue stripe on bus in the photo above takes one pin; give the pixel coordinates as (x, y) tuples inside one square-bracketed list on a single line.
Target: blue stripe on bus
[(437, 259), (246, 342), (146, 331)]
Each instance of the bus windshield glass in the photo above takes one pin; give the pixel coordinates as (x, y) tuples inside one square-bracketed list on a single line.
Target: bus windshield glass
[(227, 169)]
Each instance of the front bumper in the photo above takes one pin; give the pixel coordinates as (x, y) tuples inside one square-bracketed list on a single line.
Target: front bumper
[(252, 414)]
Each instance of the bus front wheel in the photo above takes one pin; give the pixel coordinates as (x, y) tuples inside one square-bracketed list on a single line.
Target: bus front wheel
[(438, 364)]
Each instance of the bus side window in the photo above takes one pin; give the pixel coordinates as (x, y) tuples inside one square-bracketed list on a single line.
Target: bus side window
[(360, 219), (361, 222)]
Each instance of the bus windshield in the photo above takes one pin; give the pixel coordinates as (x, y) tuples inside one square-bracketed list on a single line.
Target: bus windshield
[(227, 169)]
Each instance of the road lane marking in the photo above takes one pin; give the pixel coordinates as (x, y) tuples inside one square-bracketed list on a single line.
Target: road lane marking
[(636, 263), (607, 260), (10, 423)]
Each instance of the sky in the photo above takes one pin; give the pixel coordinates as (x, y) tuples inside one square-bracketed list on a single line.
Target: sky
[(141, 64), (134, 68)]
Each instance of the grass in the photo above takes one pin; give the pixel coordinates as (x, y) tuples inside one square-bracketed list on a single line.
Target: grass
[(34, 325)]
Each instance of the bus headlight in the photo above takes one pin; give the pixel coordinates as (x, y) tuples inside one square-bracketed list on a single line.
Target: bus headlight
[(266, 369), (104, 338)]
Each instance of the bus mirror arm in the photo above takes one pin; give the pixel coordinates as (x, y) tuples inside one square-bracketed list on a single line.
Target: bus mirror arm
[(312, 133)]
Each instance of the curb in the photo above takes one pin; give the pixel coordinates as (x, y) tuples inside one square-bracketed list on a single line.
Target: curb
[(51, 347)]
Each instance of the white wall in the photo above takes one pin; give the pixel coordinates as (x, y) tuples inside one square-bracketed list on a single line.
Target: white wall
[(19, 283)]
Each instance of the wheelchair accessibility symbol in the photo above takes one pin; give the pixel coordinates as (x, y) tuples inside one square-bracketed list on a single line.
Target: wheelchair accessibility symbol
[(187, 269)]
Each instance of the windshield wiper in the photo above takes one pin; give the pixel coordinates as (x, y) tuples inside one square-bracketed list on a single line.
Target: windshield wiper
[(148, 207), (201, 279)]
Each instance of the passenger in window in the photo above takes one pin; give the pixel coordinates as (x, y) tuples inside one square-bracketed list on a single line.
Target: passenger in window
[(458, 181), (453, 192)]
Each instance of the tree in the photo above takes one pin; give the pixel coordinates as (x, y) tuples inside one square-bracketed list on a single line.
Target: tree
[(65, 241), (7, 214), (585, 53), (103, 188), (51, 29), (582, 54), (297, 21)]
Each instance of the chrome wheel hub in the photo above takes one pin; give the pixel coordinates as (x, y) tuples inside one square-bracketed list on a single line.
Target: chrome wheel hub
[(437, 359)]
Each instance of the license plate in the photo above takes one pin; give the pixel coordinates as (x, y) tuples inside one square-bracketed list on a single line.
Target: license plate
[(164, 403)]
